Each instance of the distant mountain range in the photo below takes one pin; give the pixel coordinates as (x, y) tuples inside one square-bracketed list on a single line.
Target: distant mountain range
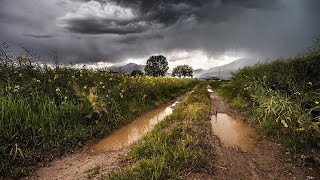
[(212, 73), (128, 68), (224, 71)]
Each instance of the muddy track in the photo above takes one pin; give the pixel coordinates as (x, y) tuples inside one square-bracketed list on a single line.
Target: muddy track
[(80, 165), (96, 161), (268, 160)]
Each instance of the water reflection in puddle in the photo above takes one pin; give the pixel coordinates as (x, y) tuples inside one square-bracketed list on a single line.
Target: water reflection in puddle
[(233, 132), (132, 132)]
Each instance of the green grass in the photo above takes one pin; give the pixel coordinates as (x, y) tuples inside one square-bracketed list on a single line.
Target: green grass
[(282, 97), (177, 146), (46, 111)]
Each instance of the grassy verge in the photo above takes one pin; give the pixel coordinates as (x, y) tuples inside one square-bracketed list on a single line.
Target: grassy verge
[(282, 97), (46, 111), (177, 146)]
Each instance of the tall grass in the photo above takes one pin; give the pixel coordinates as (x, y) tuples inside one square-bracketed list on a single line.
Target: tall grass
[(45, 111), (283, 98)]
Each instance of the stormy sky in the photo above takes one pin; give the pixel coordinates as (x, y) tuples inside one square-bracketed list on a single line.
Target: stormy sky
[(201, 33)]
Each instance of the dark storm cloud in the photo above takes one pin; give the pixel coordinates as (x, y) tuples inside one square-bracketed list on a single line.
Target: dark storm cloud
[(39, 35), (161, 13), (116, 30), (96, 26)]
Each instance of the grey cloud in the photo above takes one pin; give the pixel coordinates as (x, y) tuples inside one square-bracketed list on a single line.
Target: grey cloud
[(96, 26), (136, 39), (258, 28), (161, 12), (39, 35)]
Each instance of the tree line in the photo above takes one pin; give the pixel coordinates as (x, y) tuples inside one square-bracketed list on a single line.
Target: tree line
[(158, 66)]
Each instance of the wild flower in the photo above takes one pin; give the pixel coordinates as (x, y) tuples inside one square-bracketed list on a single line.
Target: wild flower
[(310, 83), (297, 93), (317, 102), (58, 90), (16, 88), (85, 87)]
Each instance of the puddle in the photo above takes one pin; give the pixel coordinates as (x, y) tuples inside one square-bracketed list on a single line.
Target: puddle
[(232, 132), (132, 132)]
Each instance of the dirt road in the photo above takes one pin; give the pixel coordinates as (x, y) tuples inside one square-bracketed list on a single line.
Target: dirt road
[(263, 160), (268, 160)]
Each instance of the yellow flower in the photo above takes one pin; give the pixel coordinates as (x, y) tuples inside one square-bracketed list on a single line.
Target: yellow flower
[(16, 88), (103, 87), (58, 90), (317, 102), (85, 87), (38, 81)]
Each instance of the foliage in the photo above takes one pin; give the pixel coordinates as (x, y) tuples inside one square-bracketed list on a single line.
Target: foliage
[(177, 146), (156, 66), (182, 71), (45, 110), (283, 97), (136, 73)]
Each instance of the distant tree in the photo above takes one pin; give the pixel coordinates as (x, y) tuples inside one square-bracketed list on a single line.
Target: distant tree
[(136, 73), (182, 71), (156, 66)]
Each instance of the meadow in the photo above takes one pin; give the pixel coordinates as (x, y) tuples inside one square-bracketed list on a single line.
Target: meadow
[(283, 98), (46, 111)]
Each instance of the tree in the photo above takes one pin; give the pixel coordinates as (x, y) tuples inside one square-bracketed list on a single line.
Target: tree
[(156, 66), (182, 71), (136, 73)]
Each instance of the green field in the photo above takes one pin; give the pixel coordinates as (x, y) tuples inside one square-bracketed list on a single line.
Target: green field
[(46, 111)]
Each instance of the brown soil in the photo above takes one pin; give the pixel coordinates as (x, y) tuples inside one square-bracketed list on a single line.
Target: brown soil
[(269, 160), (81, 165)]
